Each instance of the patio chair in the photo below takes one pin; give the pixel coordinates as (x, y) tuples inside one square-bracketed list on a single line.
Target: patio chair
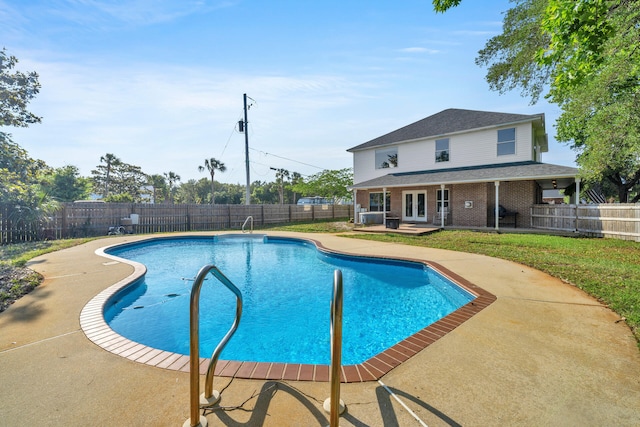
[(437, 218)]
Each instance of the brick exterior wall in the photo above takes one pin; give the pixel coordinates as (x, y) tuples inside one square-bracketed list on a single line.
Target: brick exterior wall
[(471, 205), (515, 196), (463, 213)]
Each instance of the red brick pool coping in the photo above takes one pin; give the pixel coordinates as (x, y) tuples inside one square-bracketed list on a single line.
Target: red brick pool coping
[(98, 331)]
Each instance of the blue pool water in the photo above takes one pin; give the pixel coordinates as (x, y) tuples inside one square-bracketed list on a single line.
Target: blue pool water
[(286, 286)]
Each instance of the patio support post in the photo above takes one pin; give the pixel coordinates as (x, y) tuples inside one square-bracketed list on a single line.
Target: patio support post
[(496, 210), (384, 206), (577, 201), (355, 207), (442, 205)]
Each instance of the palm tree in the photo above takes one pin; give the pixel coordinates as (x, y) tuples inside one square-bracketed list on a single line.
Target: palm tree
[(212, 165), (172, 178)]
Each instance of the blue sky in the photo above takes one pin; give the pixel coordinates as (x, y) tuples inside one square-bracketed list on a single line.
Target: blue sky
[(160, 83)]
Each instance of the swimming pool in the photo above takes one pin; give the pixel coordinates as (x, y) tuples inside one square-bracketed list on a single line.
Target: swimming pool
[(286, 285)]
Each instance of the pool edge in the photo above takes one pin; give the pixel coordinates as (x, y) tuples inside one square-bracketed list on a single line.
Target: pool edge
[(98, 331)]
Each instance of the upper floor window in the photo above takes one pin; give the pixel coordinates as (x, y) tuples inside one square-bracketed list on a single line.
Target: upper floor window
[(506, 141), (387, 158), (442, 150)]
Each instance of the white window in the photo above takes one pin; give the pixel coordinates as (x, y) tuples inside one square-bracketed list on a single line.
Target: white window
[(376, 204), (442, 199), (387, 158), (442, 150), (506, 141)]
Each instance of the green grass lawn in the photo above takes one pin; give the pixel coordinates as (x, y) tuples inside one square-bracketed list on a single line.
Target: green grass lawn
[(607, 269)]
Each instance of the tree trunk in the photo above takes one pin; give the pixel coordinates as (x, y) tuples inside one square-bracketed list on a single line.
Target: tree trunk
[(213, 196)]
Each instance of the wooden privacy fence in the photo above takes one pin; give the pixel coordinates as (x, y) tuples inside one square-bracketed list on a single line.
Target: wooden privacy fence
[(620, 221), (88, 219)]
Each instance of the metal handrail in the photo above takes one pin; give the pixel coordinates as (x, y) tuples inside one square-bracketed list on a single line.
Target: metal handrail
[(333, 404), (210, 396), (245, 223)]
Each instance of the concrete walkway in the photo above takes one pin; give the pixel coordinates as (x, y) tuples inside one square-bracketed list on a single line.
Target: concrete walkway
[(543, 354)]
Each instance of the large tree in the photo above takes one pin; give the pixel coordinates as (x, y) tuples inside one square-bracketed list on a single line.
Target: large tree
[(66, 185), (212, 165), (16, 90), (601, 113), (19, 174), (585, 55), (119, 181), (193, 191), (160, 189), (328, 183), (103, 177)]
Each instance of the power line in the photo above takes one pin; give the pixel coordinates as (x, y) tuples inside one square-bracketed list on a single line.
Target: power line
[(230, 135), (285, 158)]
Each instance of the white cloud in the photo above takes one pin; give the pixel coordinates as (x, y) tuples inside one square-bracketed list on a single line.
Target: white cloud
[(169, 118), (419, 50)]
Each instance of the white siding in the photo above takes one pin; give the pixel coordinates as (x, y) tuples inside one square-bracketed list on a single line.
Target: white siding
[(467, 149)]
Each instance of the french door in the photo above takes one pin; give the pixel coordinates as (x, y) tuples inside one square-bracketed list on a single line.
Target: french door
[(414, 205)]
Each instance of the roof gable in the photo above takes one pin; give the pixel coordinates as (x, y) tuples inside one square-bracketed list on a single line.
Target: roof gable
[(446, 122)]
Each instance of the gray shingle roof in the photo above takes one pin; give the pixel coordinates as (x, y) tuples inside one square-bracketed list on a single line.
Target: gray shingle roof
[(498, 172), (447, 122)]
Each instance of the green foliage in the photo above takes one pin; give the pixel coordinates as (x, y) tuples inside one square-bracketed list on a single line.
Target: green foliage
[(601, 115), (66, 185), (263, 192), (444, 5), (578, 32), (160, 191), (328, 183), (119, 181), (509, 56), (193, 191), (587, 54), (172, 178), (20, 176), (16, 90), (212, 165), (119, 198)]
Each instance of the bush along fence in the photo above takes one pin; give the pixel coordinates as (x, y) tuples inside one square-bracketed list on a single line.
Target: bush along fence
[(90, 219), (620, 221)]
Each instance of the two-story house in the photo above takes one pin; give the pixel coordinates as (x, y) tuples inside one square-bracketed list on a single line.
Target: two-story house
[(462, 166)]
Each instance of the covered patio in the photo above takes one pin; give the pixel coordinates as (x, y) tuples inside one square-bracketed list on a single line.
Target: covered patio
[(461, 197)]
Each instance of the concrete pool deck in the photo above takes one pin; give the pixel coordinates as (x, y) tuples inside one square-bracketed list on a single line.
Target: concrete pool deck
[(544, 353)]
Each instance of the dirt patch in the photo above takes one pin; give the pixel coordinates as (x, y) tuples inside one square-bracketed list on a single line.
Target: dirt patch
[(16, 282)]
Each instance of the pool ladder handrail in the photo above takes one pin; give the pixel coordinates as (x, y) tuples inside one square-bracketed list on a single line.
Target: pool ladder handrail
[(334, 405), (245, 223), (210, 396)]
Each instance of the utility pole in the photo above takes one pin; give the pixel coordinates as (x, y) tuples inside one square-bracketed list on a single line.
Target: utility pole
[(247, 198)]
